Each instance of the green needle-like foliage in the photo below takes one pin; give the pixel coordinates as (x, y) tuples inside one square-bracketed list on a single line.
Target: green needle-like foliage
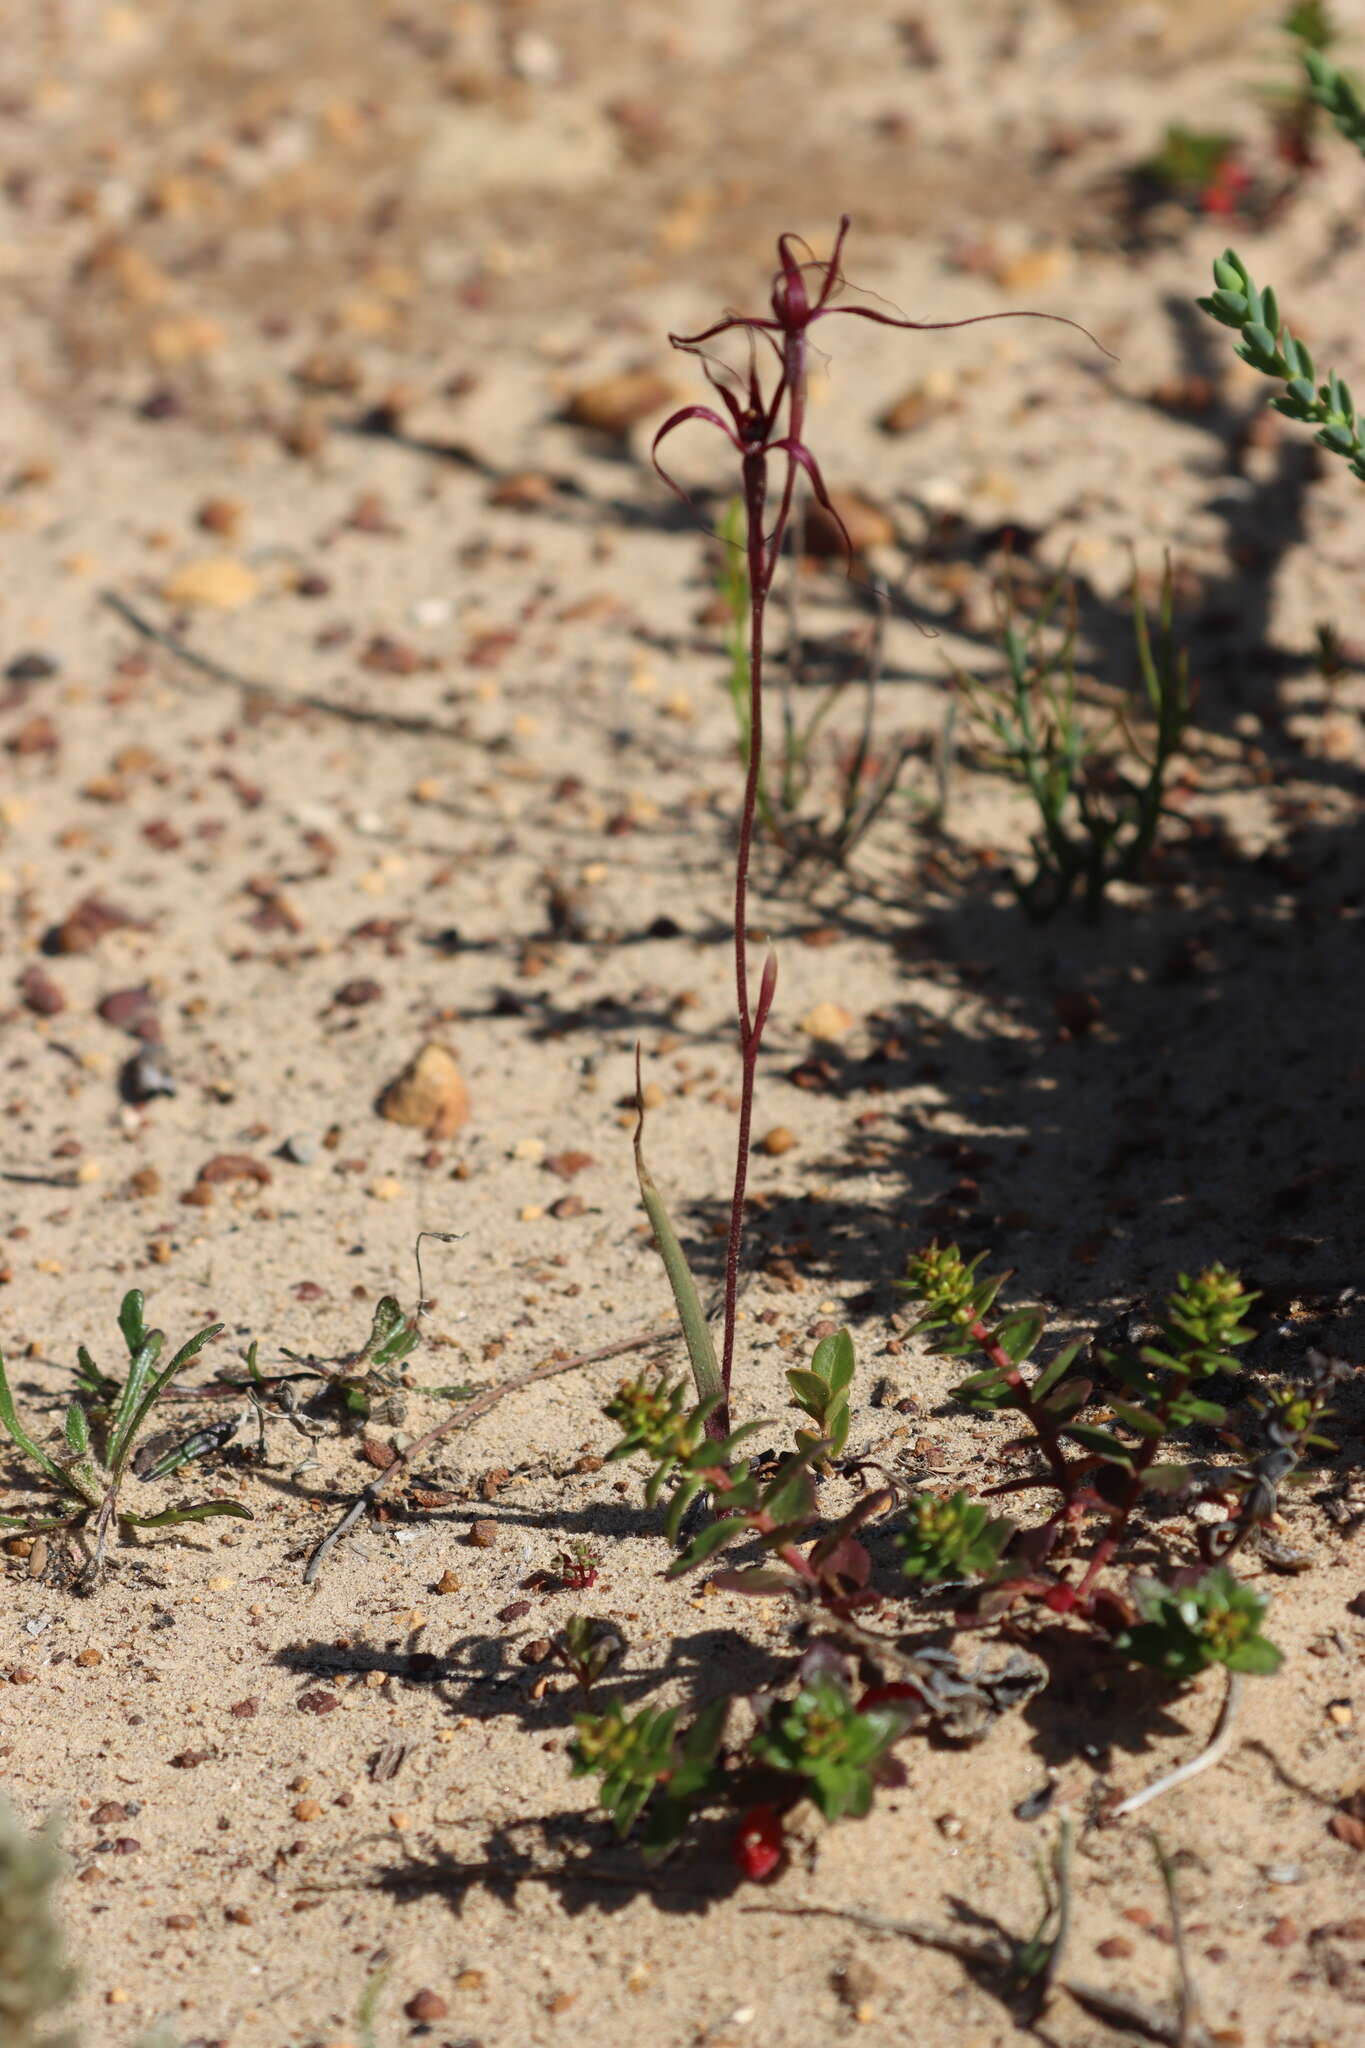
[(1097, 819)]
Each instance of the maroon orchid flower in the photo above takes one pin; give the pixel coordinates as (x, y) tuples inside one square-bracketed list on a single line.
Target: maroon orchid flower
[(764, 427)]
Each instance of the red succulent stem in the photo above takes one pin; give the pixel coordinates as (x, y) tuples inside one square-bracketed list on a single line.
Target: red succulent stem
[(1044, 1428), (1122, 1512), (719, 1483)]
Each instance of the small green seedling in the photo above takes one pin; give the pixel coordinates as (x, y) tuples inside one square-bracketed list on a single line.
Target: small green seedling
[(100, 1434), (586, 1649), (648, 1768), (822, 1392)]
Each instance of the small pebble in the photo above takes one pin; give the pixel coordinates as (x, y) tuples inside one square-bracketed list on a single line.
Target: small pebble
[(426, 2005), (483, 1535), (828, 1022), (142, 1078)]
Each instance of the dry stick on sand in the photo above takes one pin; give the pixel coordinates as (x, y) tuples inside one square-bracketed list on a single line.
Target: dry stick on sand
[(1213, 1751), (265, 693), (470, 1412), (1181, 2031)]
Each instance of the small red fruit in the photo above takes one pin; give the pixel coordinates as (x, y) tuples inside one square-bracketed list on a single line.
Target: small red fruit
[(1226, 189), (757, 1847)]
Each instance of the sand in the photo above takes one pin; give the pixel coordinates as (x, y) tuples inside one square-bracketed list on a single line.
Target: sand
[(297, 304)]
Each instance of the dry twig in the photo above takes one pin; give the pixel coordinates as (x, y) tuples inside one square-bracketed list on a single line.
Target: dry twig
[(469, 1412), (264, 693), (1211, 1754)]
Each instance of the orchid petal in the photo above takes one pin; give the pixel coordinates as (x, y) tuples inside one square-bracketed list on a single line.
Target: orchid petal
[(797, 452), (725, 326), (972, 320), (678, 419)]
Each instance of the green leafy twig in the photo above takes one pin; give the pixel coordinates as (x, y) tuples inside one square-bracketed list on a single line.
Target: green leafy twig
[(957, 1302), (831, 1745), (645, 1763), (1269, 347), (949, 1537), (1334, 90)]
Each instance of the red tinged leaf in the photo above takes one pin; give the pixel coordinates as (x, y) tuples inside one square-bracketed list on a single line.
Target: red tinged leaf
[(890, 1695)]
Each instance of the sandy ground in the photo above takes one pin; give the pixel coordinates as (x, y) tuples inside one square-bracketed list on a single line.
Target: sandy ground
[(296, 305)]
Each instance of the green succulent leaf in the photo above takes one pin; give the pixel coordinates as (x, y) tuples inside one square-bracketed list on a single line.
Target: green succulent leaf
[(391, 1336), (1138, 1419), (810, 1390), (1018, 1333), (724, 1530), (128, 1422), (1100, 1443), (833, 1361), (791, 1494), (701, 1348), (1267, 345), (1056, 1369), (984, 1391), (76, 1430)]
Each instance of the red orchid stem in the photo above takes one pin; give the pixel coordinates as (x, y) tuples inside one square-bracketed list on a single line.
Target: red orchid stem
[(754, 429), (762, 559)]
